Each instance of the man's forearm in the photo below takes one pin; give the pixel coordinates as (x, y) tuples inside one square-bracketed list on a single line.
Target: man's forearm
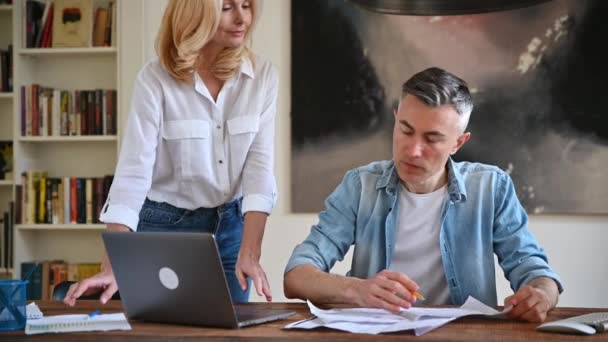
[(306, 282), (549, 286)]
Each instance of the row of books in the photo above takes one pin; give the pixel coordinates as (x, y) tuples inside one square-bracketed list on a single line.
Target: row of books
[(68, 200), (47, 274), (7, 223), (52, 112), (6, 70), (68, 23)]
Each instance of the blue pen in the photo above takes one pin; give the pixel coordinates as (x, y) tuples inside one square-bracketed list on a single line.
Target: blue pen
[(93, 314)]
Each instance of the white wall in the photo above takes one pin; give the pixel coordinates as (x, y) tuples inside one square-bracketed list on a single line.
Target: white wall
[(577, 246)]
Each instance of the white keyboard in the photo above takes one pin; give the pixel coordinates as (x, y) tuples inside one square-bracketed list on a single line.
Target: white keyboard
[(585, 324)]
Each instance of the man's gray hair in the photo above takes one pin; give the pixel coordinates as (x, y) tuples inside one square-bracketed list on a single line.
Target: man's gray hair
[(437, 87)]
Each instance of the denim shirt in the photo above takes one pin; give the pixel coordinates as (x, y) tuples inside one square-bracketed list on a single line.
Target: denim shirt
[(482, 217)]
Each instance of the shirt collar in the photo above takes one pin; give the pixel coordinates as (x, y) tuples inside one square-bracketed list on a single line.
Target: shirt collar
[(456, 190), (245, 68)]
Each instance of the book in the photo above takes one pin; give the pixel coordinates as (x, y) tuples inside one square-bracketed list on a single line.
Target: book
[(47, 35), (72, 23), (88, 200), (33, 191), (34, 11), (99, 28), (6, 160), (8, 241), (34, 286), (42, 26), (109, 24), (3, 254), (41, 218)]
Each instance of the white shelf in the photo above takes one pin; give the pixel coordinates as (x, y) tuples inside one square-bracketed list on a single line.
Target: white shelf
[(74, 138), (4, 182), (68, 51), (6, 8), (92, 227), (5, 95)]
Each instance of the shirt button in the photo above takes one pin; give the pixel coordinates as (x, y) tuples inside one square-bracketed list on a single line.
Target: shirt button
[(218, 127), (221, 161)]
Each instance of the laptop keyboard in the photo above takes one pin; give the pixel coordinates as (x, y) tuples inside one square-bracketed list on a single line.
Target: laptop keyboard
[(247, 315)]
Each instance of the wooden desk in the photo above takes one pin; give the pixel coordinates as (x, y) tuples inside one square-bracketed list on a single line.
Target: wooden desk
[(464, 329)]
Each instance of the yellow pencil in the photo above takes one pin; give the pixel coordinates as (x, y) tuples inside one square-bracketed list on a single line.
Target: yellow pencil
[(418, 295)]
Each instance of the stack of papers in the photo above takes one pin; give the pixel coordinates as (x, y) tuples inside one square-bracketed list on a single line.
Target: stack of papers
[(377, 321)]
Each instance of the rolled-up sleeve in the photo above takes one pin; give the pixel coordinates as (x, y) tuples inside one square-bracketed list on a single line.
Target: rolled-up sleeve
[(133, 175), (330, 239), (259, 184), (519, 253)]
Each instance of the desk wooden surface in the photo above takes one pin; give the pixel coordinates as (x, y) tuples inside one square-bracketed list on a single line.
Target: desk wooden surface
[(464, 329)]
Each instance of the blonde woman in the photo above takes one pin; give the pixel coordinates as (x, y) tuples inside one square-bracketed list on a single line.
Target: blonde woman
[(197, 154)]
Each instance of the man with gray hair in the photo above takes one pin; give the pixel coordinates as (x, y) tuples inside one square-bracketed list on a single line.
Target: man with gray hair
[(423, 222)]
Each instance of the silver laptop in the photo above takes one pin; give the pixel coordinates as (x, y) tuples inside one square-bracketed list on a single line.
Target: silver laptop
[(178, 278)]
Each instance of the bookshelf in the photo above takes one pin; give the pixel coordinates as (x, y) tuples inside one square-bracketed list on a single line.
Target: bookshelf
[(84, 138), (68, 51), (70, 227), (6, 120), (83, 156)]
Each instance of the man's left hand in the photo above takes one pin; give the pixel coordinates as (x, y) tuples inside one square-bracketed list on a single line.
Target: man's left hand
[(533, 301)]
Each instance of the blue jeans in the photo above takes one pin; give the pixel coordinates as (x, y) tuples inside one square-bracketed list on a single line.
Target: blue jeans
[(225, 221)]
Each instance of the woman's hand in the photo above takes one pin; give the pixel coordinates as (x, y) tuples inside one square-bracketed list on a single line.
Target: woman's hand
[(248, 261), (248, 265), (103, 281)]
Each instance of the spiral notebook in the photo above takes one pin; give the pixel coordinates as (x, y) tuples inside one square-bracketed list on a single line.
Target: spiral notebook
[(71, 323)]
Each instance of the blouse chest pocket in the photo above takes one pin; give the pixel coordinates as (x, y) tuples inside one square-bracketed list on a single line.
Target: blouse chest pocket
[(242, 130), (188, 145)]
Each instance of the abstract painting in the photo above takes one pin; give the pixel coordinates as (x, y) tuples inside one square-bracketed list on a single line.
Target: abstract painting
[(537, 74)]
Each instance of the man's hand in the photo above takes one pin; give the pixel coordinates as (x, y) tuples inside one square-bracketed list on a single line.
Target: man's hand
[(533, 301), (387, 290)]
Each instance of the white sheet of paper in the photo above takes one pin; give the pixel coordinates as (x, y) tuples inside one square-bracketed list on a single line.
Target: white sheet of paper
[(33, 311), (376, 321)]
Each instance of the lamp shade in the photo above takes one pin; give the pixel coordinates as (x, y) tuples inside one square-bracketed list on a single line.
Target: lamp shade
[(442, 7)]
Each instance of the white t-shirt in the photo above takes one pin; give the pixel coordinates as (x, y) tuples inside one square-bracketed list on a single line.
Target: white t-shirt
[(417, 252)]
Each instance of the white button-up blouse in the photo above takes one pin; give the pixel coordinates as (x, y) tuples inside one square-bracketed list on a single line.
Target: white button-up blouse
[(182, 147)]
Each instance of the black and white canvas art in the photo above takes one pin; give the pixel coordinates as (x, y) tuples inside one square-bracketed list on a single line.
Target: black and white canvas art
[(538, 76)]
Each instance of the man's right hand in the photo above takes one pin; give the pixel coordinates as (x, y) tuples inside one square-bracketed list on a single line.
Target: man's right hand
[(103, 281), (387, 290)]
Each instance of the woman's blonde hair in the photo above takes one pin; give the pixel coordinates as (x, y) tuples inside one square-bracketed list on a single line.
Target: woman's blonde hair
[(187, 26)]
